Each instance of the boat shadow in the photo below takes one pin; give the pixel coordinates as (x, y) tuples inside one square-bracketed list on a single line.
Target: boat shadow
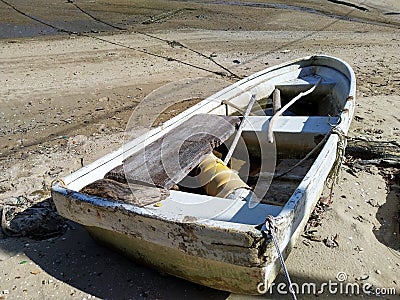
[(388, 216), (77, 260), (66, 252)]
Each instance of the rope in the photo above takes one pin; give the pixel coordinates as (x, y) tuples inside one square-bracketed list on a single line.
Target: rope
[(218, 73), (170, 43), (333, 176), (97, 19), (270, 226), (178, 44), (333, 126), (270, 134), (35, 19), (306, 157), (59, 181)]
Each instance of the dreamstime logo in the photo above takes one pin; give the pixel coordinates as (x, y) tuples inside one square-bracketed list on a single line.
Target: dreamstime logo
[(331, 287), (154, 112), (341, 276)]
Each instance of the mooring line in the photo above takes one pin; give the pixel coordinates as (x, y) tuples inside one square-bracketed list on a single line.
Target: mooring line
[(218, 73), (34, 18), (155, 55), (175, 43), (169, 42), (95, 18)]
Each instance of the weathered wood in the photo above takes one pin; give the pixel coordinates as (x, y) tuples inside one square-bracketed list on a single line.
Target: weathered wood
[(374, 152), (136, 194), (169, 159)]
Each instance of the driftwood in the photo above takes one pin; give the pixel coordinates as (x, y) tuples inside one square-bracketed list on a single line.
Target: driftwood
[(136, 194), (169, 159), (382, 153)]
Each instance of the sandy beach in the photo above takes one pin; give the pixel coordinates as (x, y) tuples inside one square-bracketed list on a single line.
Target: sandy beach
[(71, 75)]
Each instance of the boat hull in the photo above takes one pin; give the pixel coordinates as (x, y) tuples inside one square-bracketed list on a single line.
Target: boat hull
[(211, 273)]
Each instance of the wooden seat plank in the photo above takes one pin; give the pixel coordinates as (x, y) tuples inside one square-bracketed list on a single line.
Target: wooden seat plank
[(169, 159)]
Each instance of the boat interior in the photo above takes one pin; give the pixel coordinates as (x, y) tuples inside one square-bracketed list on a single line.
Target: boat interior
[(269, 169)]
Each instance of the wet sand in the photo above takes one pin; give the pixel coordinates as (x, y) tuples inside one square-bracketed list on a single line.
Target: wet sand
[(66, 98)]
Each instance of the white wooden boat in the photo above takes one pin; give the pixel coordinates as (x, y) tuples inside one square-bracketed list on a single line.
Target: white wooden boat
[(218, 240)]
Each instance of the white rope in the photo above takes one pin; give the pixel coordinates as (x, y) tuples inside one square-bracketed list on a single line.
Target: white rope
[(271, 226)]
